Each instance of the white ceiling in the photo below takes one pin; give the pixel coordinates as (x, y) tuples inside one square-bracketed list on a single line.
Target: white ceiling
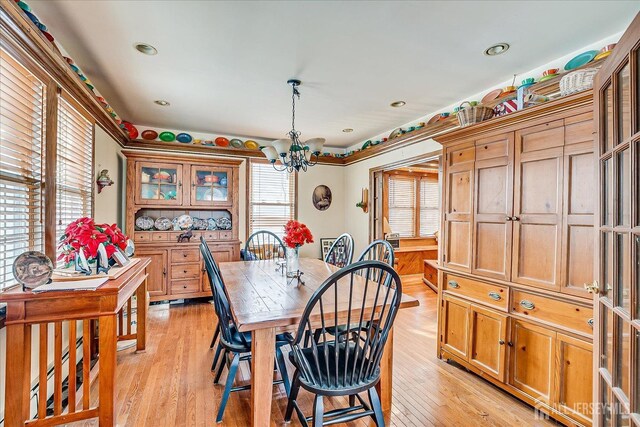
[(224, 65)]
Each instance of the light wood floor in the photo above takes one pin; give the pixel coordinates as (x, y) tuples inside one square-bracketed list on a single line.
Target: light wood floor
[(171, 385)]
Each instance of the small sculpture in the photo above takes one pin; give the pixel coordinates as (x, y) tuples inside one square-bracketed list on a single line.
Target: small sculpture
[(185, 237), (103, 180)]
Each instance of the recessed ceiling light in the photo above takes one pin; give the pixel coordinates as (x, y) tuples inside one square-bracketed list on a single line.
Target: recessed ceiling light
[(147, 49), (162, 102), (398, 103), (496, 49), (347, 130)]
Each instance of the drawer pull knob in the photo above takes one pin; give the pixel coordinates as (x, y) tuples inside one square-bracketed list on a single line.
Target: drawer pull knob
[(184, 255), (185, 271), (527, 304), (453, 284), (184, 286), (501, 342), (590, 322), (495, 296)]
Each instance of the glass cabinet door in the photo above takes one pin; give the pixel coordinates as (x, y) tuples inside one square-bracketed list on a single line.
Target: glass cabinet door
[(210, 186), (158, 184)]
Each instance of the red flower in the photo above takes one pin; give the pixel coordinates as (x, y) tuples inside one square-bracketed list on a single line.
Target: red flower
[(91, 239), (296, 234), (78, 226)]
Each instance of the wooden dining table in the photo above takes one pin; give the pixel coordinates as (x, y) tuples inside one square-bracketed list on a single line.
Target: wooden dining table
[(265, 302)]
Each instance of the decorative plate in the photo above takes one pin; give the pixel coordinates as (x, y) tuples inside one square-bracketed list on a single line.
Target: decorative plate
[(251, 144), (223, 223), (221, 141), (167, 136), (144, 223), (366, 145), (236, 143), (494, 94), (184, 222), (547, 77), (185, 138), (602, 55), (149, 134), (32, 269), (214, 194), (211, 224), (396, 133), (199, 224), (163, 224), (580, 60)]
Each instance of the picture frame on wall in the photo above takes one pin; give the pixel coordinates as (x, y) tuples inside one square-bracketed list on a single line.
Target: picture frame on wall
[(325, 245)]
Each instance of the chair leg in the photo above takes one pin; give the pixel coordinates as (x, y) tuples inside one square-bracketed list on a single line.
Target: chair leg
[(293, 395), (233, 369), (215, 357), (318, 411), (215, 337), (282, 367), (376, 406), (222, 363), (352, 400)]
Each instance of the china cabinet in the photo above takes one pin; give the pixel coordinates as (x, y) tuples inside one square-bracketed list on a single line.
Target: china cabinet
[(518, 248), (193, 195)]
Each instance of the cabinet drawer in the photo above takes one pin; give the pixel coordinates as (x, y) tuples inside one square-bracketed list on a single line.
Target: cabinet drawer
[(559, 313), (211, 235), (493, 295), (185, 255), (159, 237), (142, 236), (225, 235), (184, 286), (430, 273), (185, 271)]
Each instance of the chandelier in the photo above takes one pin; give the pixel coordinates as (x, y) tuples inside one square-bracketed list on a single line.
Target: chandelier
[(293, 154)]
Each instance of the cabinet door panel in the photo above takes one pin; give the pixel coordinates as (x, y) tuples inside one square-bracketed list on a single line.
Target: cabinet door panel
[(492, 233), (158, 184), (532, 360), (210, 186), (157, 271), (578, 219), (537, 217), (488, 333), (455, 326), (574, 384)]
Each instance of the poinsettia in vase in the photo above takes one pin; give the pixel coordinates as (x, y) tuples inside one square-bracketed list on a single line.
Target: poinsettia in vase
[(86, 242), (296, 234)]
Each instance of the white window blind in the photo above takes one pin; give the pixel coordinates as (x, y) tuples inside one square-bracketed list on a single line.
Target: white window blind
[(271, 198), (402, 205), (429, 205), (75, 167), (22, 128)]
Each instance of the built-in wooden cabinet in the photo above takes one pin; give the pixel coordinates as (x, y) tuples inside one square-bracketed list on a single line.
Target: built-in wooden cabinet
[(162, 185), (519, 201)]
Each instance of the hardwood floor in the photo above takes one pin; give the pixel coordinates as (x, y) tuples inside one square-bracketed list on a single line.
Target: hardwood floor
[(171, 384)]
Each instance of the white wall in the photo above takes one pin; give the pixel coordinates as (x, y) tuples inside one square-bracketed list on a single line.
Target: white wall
[(328, 223), (110, 200)]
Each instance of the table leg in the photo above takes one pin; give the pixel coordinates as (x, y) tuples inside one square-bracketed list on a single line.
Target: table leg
[(18, 375), (385, 385), (263, 345), (141, 317), (107, 375)]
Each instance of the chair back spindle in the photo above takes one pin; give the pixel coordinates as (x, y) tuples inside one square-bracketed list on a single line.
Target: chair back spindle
[(263, 245), (340, 253)]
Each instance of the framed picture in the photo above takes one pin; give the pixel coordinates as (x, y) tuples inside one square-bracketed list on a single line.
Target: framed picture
[(325, 245)]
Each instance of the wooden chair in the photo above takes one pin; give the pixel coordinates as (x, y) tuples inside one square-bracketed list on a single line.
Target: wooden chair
[(378, 250), (232, 341), (263, 245), (349, 365), (341, 251)]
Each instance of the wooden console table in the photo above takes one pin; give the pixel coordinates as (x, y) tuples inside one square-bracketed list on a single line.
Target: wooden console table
[(111, 305)]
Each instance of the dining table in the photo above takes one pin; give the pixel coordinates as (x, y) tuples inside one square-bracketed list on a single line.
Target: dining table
[(265, 302)]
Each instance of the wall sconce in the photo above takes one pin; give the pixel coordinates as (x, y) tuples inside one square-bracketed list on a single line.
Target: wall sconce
[(103, 180), (364, 203)]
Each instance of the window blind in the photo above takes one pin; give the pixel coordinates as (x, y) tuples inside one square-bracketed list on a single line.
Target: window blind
[(402, 205), (429, 205), (74, 193), (22, 130), (271, 198)]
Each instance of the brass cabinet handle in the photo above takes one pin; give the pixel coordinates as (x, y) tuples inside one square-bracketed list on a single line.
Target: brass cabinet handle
[(453, 284), (527, 304), (510, 344), (593, 288), (515, 218), (495, 296), (590, 322), (501, 342), (508, 218)]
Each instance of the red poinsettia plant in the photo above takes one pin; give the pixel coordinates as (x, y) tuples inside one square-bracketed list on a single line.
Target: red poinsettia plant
[(296, 234), (85, 235)]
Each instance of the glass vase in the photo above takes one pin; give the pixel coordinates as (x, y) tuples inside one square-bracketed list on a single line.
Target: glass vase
[(293, 262)]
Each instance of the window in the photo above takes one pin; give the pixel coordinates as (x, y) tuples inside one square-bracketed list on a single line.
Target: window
[(402, 205), (271, 198), (413, 204), (22, 130), (74, 182)]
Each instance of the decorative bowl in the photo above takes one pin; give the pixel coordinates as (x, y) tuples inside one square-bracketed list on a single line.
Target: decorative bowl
[(163, 224), (184, 222), (144, 223)]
